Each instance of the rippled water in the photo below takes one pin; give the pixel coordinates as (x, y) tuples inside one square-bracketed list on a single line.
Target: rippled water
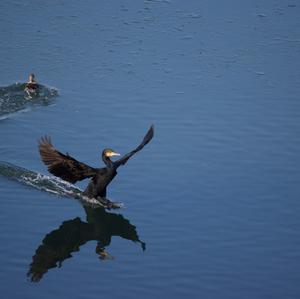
[(50, 184), (13, 99), (213, 199)]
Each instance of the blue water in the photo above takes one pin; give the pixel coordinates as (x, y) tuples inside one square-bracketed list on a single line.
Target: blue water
[(214, 196)]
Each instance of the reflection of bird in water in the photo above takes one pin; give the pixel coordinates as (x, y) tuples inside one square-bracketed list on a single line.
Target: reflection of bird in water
[(60, 243), (71, 170)]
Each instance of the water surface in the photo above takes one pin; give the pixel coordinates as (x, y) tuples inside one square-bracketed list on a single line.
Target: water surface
[(214, 196)]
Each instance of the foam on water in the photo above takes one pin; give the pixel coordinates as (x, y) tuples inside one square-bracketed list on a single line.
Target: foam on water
[(13, 99), (46, 183)]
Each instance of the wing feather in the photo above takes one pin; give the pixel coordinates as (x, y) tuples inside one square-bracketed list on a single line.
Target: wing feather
[(145, 141), (63, 165)]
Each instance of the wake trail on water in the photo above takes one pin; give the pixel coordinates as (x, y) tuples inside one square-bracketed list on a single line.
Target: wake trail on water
[(14, 100), (46, 183), (9, 115)]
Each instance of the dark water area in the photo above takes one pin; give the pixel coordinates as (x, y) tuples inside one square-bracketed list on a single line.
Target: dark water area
[(14, 99), (211, 205)]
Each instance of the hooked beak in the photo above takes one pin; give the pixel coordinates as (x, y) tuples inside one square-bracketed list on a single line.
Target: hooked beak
[(112, 154)]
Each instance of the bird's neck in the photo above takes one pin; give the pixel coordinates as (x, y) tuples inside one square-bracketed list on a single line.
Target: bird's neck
[(107, 161)]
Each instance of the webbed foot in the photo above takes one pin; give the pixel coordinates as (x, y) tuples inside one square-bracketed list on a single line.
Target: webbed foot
[(105, 202)]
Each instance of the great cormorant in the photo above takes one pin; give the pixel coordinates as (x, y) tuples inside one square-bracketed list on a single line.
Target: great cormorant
[(71, 170)]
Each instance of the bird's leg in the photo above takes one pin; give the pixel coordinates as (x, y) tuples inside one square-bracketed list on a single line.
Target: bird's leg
[(103, 255), (105, 202)]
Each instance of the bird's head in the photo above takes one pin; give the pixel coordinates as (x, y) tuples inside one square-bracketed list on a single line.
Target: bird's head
[(31, 78), (108, 152)]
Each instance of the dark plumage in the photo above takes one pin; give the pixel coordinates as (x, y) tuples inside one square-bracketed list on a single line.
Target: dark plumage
[(71, 170)]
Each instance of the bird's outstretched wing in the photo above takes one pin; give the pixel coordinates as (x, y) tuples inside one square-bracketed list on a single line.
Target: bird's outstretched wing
[(146, 140), (63, 166)]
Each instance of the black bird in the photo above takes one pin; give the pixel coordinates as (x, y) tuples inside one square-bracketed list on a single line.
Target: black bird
[(71, 170)]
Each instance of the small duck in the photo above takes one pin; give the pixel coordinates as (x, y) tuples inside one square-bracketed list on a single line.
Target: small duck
[(31, 86)]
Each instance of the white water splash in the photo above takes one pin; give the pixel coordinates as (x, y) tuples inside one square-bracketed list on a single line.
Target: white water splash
[(47, 183)]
